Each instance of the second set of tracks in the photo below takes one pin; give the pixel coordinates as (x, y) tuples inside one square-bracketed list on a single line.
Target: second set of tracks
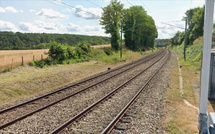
[(9, 117)]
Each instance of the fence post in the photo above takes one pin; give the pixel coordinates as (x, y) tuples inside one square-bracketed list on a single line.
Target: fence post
[(33, 58), (41, 57), (12, 64), (22, 61)]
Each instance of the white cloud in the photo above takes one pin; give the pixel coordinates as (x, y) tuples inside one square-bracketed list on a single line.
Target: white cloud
[(86, 30), (49, 25), (6, 26), (32, 11), (87, 13), (168, 30), (91, 28), (73, 28), (69, 10), (2, 10), (8, 9), (58, 1), (51, 14), (42, 27), (28, 27)]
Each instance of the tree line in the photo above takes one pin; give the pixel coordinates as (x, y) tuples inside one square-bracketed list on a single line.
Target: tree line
[(22, 41), (195, 22), (139, 28), (162, 42)]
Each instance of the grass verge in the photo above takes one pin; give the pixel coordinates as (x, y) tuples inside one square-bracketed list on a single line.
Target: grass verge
[(180, 118), (28, 81)]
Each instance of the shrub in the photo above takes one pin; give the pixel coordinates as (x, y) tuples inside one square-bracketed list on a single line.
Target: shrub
[(32, 63), (58, 52), (83, 49), (8, 69), (71, 52), (108, 51)]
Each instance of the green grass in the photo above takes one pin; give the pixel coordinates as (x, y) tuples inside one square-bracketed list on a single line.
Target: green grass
[(193, 53), (8, 69)]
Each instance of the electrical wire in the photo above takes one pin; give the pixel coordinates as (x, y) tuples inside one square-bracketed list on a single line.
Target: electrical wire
[(94, 4), (149, 10), (129, 2), (68, 5)]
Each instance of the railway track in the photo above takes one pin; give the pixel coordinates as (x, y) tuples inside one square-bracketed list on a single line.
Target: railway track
[(35, 105), (96, 116)]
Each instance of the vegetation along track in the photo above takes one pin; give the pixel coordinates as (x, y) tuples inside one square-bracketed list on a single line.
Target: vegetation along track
[(15, 113), (99, 115)]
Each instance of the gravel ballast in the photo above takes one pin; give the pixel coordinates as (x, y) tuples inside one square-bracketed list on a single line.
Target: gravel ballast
[(49, 119)]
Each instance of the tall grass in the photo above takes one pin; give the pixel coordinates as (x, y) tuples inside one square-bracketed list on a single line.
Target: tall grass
[(193, 53)]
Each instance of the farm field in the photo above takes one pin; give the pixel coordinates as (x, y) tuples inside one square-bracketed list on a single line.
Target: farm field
[(12, 58), (101, 46)]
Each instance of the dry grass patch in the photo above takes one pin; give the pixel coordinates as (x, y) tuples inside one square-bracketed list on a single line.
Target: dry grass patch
[(181, 118)]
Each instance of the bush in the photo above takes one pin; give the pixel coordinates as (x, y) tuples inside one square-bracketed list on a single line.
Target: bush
[(108, 51), (8, 69), (83, 49), (71, 52), (58, 52), (32, 63)]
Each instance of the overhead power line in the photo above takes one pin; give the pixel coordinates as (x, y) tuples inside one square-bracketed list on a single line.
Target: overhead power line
[(149, 10), (129, 3), (68, 5), (94, 4), (172, 25)]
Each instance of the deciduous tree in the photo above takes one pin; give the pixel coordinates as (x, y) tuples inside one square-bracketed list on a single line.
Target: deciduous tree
[(111, 19)]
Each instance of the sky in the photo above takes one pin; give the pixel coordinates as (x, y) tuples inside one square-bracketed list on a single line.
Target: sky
[(82, 16)]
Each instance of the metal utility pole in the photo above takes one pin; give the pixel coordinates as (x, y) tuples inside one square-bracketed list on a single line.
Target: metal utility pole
[(121, 43), (208, 27), (185, 39)]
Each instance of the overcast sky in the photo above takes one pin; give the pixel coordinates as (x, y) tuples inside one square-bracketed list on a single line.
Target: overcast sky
[(82, 16)]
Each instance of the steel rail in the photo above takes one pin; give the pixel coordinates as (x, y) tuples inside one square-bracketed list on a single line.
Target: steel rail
[(88, 109), (75, 84), (111, 125), (62, 99)]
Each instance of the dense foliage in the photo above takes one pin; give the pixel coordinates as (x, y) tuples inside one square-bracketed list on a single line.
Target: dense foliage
[(111, 18), (139, 29), (178, 38), (64, 54), (162, 42), (61, 54), (20, 41), (195, 22)]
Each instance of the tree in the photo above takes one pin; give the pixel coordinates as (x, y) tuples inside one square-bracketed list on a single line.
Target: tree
[(111, 18), (10, 40), (195, 18), (139, 29)]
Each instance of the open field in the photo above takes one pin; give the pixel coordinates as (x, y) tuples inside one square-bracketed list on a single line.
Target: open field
[(102, 46), (13, 58)]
